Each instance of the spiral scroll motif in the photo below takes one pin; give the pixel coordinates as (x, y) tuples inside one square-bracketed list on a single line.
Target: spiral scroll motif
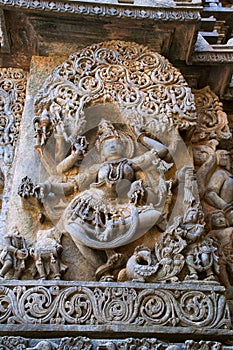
[(76, 305), (37, 305), (157, 308), (116, 305), (6, 304)]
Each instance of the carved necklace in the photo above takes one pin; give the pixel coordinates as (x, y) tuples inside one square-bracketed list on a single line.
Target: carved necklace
[(115, 171)]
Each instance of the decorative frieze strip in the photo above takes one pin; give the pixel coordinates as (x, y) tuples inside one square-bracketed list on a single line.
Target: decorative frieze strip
[(119, 308), (84, 343), (12, 96), (212, 57), (159, 12)]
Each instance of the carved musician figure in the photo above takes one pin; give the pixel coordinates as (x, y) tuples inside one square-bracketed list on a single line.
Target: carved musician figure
[(13, 255)]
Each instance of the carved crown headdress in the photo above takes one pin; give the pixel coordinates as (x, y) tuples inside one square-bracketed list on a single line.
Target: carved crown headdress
[(105, 131)]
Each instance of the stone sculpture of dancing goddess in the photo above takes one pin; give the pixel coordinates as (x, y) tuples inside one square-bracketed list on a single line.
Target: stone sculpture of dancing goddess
[(107, 215), (116, 208)]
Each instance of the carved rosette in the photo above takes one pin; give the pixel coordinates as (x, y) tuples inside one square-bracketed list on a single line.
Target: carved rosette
[(94, 304), (12, 98), (146, 87)]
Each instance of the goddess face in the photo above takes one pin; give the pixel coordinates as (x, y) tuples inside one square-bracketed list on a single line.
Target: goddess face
[(112, 148)]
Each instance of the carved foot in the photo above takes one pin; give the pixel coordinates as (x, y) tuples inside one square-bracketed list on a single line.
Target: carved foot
[(107, 279), (193, 276), (210, 278), (174, 279), (58, 277), (139, 280), (115, 262)]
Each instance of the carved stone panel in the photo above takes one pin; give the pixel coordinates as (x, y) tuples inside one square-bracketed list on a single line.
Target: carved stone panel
[(120, 175)]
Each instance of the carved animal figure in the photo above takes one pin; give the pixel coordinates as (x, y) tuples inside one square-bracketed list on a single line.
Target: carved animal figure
[(139, 266)]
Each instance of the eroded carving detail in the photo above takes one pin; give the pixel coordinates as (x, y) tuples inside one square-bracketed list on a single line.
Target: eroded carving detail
[(75, 343), (149, 344), (211, 56), (208, 345), (27, 189)]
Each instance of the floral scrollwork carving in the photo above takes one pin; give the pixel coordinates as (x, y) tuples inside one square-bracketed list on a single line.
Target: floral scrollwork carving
[(12, 98), (158, 308), (116, 305), (76, 306), (139, 81), (37, 305), (6, 302), (73, 305), (212, 121)]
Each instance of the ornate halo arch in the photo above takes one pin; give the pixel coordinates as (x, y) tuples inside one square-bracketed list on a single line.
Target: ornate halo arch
[(142, 83)]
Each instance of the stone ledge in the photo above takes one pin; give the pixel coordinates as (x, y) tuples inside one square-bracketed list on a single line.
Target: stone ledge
[(159, 12), (212, 57)]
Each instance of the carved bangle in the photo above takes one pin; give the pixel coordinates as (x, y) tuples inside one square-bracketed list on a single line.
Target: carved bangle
[(227, 207), (48, 186)]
